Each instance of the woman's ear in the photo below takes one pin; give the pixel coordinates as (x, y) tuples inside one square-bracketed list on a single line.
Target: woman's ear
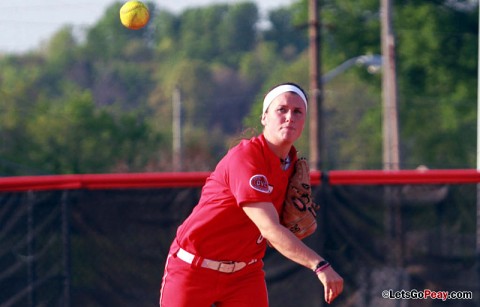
[(263, 118)]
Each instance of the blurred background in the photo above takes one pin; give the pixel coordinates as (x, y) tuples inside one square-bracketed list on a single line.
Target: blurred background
[(98, 98)]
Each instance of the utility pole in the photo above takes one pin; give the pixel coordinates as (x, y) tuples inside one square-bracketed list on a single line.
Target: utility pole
[(391, 155), (477, 247), (177, 150), (316, 131)]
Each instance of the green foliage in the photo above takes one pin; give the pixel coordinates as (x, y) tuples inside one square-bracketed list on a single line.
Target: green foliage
[(108, 39), (220, 32), (17, 93), (350, 28), (110, 93), (77, 137), (352, 128), (256, 65), (61, 48), (438, 57), (199, 36), (288, 37), (49, 125), (236, 33), (166, 27)]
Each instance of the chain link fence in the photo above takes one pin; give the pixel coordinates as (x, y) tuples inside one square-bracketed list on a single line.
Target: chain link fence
[(107, 246)]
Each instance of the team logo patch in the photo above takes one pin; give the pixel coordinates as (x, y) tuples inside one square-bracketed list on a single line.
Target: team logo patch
[(260, 183)]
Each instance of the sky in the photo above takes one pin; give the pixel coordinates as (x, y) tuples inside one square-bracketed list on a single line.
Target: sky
[(25, 25)]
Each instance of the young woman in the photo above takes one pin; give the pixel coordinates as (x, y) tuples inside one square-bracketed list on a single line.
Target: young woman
[(216, 257)]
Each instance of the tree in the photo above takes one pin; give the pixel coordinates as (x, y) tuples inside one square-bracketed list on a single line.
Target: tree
[(109, 39), (255, 66), (198, 35), (165, 38), (436, 71), (289, 37), (71, 135), (18, 76), (220, 32), (222, 61), (438, 59), (61, 48), (237, 32)]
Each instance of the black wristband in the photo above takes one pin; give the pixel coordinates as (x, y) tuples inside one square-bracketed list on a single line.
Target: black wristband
[(321, 266)]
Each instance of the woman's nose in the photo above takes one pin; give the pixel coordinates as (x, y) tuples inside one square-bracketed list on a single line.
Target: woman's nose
[(289, 116)]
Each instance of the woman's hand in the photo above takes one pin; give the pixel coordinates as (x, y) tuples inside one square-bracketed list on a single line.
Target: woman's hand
[(332, 283)]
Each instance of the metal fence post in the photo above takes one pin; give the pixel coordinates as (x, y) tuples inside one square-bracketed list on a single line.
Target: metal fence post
[(31, 259), (66, 249)]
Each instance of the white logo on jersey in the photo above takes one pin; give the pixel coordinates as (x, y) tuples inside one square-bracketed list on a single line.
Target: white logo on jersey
[(260, 183), (260, 239)]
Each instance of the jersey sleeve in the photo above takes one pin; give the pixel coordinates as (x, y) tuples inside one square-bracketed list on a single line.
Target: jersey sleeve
[(247, 175)]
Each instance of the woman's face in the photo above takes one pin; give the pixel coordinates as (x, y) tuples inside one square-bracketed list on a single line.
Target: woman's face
[(284, 119)]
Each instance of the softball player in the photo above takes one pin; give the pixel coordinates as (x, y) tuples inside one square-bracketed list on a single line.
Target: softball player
[(216, 256)]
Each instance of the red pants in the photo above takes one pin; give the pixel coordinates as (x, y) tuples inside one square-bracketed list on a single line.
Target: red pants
[(185, 285)]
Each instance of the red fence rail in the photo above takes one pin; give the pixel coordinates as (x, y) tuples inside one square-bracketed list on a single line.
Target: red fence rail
[(379, 177), (196, 179)]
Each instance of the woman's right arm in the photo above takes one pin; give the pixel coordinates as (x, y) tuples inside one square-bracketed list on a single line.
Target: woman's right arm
[(265, 217)]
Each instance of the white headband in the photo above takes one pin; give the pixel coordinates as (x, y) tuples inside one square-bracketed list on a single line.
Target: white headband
[(280, 90)]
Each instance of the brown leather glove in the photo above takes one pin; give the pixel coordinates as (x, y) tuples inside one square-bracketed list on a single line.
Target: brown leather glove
[(299, 210)]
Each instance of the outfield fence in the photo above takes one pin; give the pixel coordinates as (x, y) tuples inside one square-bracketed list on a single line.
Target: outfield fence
[(399, 238)]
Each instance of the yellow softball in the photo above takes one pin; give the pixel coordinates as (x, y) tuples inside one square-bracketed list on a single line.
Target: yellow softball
[(134, 15)]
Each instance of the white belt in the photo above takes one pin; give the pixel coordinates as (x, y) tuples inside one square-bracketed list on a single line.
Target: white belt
[(222, 266)]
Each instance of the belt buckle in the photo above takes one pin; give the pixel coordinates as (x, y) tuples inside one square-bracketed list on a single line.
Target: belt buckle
[(226, 266)]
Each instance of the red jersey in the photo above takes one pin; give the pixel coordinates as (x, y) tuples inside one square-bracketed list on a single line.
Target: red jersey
[(218, 228)]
